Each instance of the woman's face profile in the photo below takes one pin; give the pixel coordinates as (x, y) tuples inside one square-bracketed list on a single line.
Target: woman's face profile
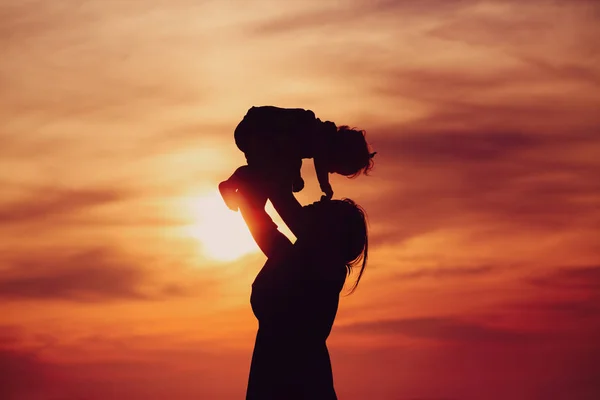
[(324, 226), (318, 214)]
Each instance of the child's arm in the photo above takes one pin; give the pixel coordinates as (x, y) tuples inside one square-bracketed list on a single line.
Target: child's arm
[(323, 177)]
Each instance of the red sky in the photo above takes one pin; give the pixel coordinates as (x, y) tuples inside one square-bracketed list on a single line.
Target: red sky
[(116, 121)]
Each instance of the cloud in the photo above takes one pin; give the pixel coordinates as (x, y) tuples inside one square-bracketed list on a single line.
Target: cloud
[(21, 372), (496, 371), (581, 311), (444, 273), (444, 329), (495, 147), (567, 70), (93, 275), (121, 368), (527, 27), (578, 278), (9, 335), (34, 209), (484, 116), (15, 147), (90, 83), (460, 146), (530, 97), (352, 12), (51, 202), (486, 180), (431, 398)]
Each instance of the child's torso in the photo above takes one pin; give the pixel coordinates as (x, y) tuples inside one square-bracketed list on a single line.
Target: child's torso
[(293, 130)]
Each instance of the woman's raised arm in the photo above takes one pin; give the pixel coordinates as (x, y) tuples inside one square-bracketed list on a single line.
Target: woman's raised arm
[(288, 208), (263, 229)]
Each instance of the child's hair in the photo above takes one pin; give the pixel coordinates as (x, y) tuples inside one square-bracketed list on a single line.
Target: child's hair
[(353, 151)]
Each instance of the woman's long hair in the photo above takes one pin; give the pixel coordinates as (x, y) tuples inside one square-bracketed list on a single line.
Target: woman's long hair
[(355, 221)]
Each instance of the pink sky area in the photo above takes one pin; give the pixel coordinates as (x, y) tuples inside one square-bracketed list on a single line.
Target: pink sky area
[(123, 276)]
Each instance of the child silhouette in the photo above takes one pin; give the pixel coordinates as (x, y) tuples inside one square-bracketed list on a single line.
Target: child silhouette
[(275, 140)]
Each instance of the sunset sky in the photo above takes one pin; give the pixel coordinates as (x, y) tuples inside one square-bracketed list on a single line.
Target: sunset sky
[(124, 276)]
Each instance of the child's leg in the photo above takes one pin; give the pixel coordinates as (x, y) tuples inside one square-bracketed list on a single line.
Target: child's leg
[(229, 187), (250, 141), (266, 163), (245, 175)]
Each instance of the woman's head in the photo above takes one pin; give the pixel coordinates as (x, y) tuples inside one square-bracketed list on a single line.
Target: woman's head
[(340, 228), (351, 154)]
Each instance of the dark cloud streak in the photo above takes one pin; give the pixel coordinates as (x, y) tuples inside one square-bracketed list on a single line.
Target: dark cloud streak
[(352, 12), (578, 278), (445, 273), (458, 178), (93, 275), (50, 202), (444, 329), (21, 372)]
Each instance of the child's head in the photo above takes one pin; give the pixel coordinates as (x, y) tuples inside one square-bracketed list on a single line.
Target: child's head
[(351, 154)]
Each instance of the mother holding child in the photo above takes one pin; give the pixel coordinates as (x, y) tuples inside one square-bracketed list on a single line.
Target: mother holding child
[(295, 296)]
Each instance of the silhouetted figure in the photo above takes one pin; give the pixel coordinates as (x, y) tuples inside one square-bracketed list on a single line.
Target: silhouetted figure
[(275, 140), (295, 296)]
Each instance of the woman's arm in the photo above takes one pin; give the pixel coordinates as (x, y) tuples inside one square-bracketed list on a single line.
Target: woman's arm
[(288, 208), (263, 229)]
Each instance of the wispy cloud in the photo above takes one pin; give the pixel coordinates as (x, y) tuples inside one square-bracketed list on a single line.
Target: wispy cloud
[(580, 278), (51, 202), (485, 119), (94, 275), (444, 329), (484, 179), (445, 273), (21, 372), (340, 15)]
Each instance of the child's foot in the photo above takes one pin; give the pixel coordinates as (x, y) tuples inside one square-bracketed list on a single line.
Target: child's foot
[(230, 196), (298, 184)]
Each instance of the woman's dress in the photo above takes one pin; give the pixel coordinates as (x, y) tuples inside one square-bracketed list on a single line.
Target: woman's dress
[(295, 306)]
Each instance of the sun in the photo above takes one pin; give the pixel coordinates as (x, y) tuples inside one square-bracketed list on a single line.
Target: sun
[(222, 233)]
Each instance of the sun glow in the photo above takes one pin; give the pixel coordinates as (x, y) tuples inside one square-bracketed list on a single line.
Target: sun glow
[(221, 232)]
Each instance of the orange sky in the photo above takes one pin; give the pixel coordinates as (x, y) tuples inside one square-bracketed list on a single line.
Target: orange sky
[(116, 121)]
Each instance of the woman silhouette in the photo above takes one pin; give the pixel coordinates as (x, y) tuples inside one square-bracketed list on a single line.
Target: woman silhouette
[(295, 295)]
